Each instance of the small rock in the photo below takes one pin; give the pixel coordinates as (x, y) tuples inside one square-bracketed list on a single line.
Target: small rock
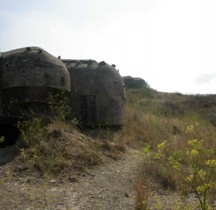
[(53, 181), (72, 179), (126, 195), (55, 189), (28, 180)]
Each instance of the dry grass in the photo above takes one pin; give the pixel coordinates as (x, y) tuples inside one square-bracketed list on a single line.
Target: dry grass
[(150, 118), (147, 124), (142, 195), (163, 116), (59, 148)]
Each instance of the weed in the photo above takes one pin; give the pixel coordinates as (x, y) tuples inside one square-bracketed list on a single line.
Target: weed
[(42, 148), (59, 108), (166, 117), (2, 139), (7, 176), (142, 194), (195, 166)]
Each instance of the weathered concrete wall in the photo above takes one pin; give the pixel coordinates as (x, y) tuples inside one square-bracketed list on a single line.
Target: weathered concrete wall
[(97, 92), (134, 82), (28, 76)]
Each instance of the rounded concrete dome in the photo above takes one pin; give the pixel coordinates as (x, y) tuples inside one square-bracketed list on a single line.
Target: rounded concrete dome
[(97, 92), (28, 75)]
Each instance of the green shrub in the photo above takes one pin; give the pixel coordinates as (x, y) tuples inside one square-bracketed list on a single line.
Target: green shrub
[(193, 165)]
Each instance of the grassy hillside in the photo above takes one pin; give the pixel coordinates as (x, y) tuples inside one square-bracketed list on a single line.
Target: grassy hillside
[(152, 116), (178, 136)]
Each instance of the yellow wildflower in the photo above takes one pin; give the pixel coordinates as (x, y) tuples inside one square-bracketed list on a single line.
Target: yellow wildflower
[(161, 145), (211, 163), (190, 129), (194, 153)]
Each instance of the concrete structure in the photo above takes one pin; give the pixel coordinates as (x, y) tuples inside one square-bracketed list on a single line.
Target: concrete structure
[(27, 77), (97, 92), (134, 82)]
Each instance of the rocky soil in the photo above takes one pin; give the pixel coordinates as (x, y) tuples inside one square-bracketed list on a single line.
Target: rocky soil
[(107, 187)]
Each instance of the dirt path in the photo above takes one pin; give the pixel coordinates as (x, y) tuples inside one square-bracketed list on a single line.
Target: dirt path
[(108, 187)]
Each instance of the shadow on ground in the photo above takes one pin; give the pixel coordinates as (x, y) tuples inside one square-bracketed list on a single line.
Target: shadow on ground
[(7, 154)]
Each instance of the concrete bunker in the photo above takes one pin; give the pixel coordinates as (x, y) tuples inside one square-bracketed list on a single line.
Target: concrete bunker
[(27, 77), (134, 82), (97, 93)]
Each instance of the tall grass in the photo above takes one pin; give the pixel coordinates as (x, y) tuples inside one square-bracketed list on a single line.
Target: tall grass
[(167, 117)]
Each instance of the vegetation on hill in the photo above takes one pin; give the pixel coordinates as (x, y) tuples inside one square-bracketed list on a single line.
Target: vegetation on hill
[(177, 133), (57, 148)]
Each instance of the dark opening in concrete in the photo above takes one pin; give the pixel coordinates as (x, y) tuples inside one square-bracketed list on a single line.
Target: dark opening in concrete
[(10, 133)]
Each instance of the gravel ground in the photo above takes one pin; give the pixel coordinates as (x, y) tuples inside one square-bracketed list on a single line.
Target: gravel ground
[(107, 187)]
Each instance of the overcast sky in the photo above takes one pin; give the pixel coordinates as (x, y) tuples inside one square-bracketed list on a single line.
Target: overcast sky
[(169, 43)]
